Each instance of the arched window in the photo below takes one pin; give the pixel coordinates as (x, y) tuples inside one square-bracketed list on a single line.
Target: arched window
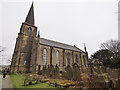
[(76, 56), (24, 62), (44, 56), (84, 60), (29, 29), (57, 56), (68, 58)]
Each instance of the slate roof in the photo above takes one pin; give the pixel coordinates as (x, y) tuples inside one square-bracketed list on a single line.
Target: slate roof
[(59, 45), (30, 17)]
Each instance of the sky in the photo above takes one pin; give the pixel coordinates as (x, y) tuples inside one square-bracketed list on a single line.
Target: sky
[(73, 22)]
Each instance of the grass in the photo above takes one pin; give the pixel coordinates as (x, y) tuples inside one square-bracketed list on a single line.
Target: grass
[(18, 82)]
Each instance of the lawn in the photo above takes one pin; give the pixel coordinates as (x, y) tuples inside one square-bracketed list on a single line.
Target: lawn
[(18, 82)]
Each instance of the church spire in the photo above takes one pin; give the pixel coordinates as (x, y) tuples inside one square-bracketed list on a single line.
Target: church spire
[(30, 17)]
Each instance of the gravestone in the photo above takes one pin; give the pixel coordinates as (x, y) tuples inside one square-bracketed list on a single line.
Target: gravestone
[(48, 71), (39, 70), (76, 72), (51, 71), (69, 72), (43, 70)]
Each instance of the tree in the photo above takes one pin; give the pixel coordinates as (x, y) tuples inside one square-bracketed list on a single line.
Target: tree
[(114, 47), (2, 49), (4, 58), (104, 56), (109, 54)]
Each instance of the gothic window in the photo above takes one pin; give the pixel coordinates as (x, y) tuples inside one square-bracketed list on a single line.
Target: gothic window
[(57, 56), (80, 59), (68, 58), (76, 56), (44, 56), (24, 62), (63, 57), (29, 29), (84, 60)]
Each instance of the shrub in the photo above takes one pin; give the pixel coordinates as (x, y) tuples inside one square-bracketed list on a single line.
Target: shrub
[(56, 71)]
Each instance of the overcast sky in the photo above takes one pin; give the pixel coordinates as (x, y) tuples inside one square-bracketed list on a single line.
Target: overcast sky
[(72, 22)]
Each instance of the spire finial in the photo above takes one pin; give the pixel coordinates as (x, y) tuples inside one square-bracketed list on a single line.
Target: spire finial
[(85, 47), (38, 33), (30, 16)]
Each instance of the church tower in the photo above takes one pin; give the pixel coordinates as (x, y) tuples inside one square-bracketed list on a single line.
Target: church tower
[(22, 53)]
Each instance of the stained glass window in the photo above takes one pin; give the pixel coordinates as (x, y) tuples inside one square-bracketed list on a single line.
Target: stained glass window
[(68, 58), (25, 62), (57, 54), (76, 58), (44, 56)]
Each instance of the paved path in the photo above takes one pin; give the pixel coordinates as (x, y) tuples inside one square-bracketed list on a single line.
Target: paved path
[(5, 82)]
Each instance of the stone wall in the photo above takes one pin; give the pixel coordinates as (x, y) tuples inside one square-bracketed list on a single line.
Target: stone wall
[(62, 58), (23, 48)]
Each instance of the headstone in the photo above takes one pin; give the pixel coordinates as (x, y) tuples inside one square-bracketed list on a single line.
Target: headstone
[(76, 72), (51, 71), (43, 70), (39, 70), (69, 72)]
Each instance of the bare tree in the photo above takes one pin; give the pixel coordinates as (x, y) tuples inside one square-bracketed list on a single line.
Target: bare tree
[(112, 45), (1, 53), (4, 58)]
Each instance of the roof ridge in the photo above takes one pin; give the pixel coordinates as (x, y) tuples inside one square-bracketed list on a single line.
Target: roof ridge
[(58, 42)]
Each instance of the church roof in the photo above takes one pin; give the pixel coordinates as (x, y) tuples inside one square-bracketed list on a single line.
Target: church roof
[(30, 16), (58, 44)]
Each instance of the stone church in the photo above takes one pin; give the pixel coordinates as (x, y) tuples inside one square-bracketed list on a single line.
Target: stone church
[(32, 52)]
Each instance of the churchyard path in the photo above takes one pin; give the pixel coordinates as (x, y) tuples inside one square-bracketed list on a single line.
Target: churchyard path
[(5, 82)]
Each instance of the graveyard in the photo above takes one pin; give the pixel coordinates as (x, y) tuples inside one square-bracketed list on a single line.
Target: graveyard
[(72, 77)]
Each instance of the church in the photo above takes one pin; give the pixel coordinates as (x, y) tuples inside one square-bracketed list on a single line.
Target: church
[(32, 52)]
